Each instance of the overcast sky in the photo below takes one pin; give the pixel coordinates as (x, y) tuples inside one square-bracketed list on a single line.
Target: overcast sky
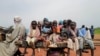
[(82, 11)]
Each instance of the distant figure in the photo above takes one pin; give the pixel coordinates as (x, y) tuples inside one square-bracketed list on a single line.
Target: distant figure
[(92, 31)]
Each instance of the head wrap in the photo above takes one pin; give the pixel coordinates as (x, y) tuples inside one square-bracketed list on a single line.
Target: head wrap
[(17, 19), (45, 19), (61, 22)]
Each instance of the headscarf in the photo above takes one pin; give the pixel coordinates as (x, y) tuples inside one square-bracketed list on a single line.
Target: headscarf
[(17, 20), (45, 19), (61, 22), (37, 33)]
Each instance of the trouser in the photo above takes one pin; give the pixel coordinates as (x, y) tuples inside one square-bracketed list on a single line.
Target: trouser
[(88, 41), (28, 39), (73, 45), (81, 45), (92, 36)]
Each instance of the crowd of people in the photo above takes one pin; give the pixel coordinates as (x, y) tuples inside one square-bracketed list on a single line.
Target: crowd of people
[(53, 33)]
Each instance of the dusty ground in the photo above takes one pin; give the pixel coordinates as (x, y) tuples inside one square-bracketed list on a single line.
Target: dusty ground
[(42, 52), (97, 36)]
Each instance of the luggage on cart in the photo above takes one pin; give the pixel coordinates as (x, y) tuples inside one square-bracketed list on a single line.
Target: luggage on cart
[(62, 45), (39, 44)]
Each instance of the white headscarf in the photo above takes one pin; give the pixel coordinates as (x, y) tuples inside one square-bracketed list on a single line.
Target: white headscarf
[(17, 20)]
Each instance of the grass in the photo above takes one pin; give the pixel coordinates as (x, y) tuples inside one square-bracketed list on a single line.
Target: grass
[(97, 30)]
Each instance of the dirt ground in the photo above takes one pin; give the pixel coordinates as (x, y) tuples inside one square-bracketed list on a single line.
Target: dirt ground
[(42, 52), (97, 36)]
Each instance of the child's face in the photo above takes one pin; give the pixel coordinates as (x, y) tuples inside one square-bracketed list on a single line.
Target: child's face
[(73, 26), (47, 24), (34, 25), (65, 24), (55, 24)]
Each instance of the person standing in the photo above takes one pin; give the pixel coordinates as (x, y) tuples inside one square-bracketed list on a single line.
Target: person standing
[(92, 31)]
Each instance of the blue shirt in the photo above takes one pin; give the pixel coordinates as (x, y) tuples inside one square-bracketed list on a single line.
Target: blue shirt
[(92, 31), (45, 30), (82, 32)]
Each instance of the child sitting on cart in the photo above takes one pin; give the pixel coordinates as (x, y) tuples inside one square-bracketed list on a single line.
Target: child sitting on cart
[(54, 38)]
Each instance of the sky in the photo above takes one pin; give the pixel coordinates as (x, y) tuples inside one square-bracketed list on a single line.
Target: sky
[(85, 12)]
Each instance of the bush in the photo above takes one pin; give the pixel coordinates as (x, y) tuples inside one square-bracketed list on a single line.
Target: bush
[(97, 30)]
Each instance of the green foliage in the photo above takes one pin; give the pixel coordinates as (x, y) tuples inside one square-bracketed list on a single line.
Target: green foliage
[(97, 30)]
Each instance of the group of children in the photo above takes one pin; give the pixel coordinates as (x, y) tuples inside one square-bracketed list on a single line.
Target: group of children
[(65, 31)]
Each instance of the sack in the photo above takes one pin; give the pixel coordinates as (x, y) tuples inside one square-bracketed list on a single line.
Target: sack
[(61, 44), (39, 44), (53, 45)]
